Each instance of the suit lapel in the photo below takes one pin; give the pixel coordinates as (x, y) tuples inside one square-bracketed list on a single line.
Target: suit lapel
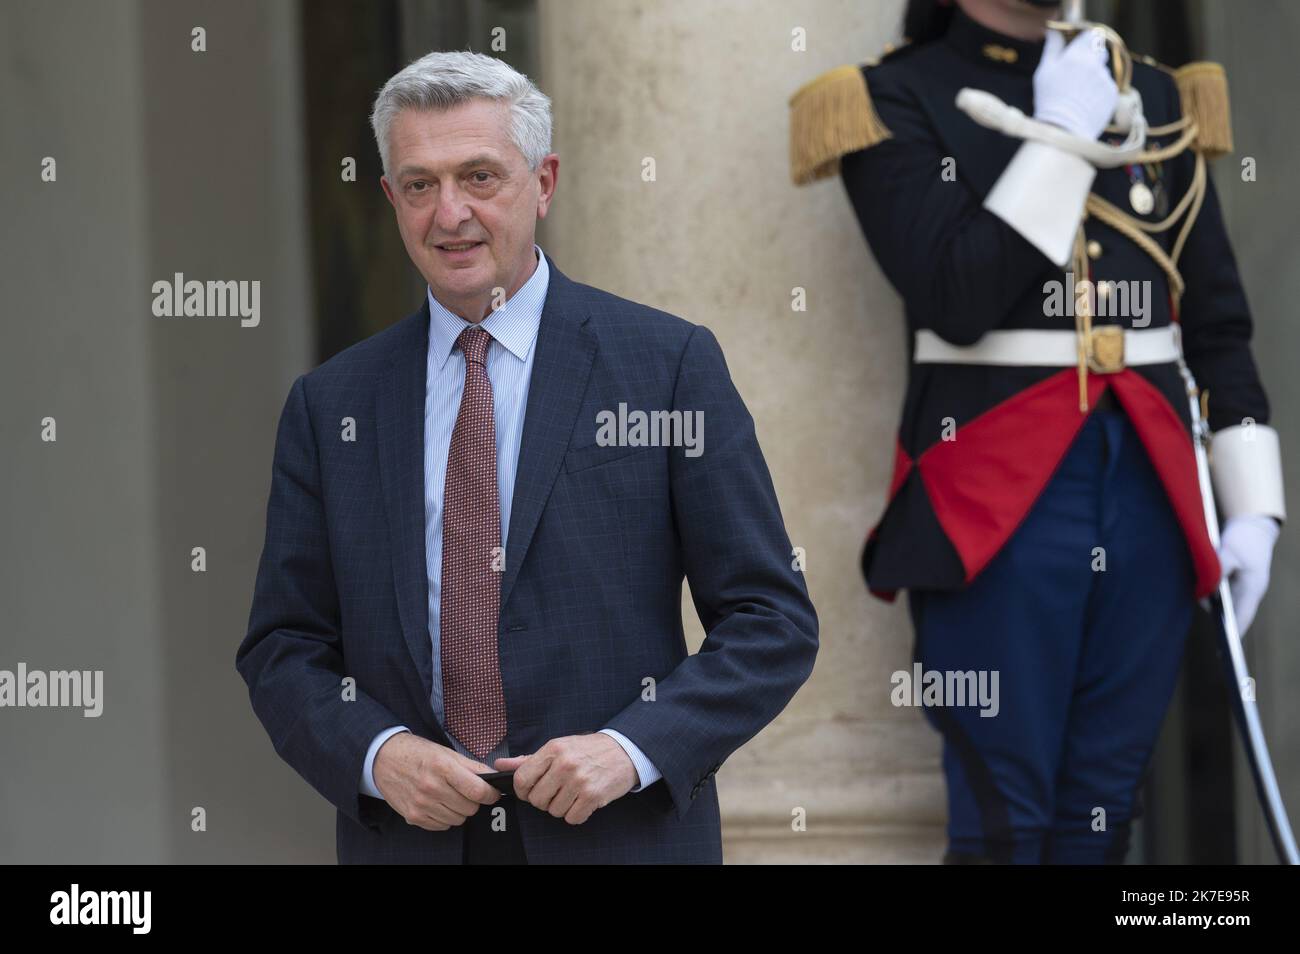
[(399, 423), (566, 351), (565, 355)]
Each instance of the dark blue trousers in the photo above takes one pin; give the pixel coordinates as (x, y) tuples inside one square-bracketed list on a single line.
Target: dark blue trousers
[(1086, 658)]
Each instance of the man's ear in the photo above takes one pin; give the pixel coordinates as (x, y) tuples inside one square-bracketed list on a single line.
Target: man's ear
[(388, 191), (548, 176)]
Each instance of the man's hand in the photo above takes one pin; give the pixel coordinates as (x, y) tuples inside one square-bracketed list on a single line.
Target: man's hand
[(430, 785), (571, 777), (1073, 87), (1245, 554)]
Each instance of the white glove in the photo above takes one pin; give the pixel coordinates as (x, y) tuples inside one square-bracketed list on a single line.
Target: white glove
[(1245, 553), (1073, 87)]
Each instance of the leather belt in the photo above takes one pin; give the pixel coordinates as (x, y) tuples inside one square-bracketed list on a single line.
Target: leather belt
[(1111, 348)]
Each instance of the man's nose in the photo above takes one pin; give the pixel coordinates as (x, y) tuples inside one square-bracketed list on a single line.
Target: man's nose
[(452, 210)]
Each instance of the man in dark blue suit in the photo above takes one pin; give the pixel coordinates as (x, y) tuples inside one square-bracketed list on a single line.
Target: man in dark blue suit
[(478, 526)]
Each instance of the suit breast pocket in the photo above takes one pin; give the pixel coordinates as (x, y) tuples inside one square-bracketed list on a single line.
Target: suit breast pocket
[(596, 455)]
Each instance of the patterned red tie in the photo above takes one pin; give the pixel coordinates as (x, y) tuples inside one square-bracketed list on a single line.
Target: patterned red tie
[(473, 701)]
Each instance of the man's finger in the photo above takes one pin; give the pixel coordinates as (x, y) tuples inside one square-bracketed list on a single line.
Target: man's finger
[(1052, 44), (581, 810), (532, 770), (454, 801), (544, 790), (468, 783), (433, 814), (563, 802)]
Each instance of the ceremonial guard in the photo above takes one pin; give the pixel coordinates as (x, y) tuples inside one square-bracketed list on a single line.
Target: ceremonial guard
[(1044, 515)]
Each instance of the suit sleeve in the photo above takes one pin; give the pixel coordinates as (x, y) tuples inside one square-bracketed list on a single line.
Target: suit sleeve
[(1245, 454), (1216, 321), (292, 657), (959, 267), (753, 604)]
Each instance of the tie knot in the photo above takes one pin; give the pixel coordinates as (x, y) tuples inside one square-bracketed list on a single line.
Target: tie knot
[(473, 341)]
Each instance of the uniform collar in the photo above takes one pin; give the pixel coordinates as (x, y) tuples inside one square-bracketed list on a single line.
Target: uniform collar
[(991, 48), (514, 324)]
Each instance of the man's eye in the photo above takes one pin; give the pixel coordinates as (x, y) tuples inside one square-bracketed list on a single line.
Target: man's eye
[(417, 183), (486, 176)]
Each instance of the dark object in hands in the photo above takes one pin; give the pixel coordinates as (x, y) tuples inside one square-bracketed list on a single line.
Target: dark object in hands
[(501, 781)]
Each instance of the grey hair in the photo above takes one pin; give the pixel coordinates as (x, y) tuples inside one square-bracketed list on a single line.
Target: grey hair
[(439, 81)]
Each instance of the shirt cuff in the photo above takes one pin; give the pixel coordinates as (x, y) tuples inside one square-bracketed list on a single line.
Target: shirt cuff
[(367, 773), (646, 772)]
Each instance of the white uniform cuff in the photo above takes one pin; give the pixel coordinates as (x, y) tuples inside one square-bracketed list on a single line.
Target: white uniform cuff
[(1041, 195), (1246, 470)]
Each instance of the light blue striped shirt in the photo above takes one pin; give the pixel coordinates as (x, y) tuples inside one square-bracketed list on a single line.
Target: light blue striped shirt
[(513, 328)]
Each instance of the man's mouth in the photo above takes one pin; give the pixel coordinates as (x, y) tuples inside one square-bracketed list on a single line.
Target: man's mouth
[(458, 246)]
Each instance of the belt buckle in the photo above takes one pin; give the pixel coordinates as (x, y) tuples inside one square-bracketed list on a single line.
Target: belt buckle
[(1106, 349)]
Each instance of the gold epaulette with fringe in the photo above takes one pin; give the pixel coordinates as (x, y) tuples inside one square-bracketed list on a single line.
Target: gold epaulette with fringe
[(1203, 87), (831, 116)]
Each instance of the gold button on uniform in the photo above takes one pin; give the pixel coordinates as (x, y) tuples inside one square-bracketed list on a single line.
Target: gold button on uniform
[(1094, 249)]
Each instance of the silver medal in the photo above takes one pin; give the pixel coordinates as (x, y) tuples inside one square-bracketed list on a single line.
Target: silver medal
[(1140, 197)]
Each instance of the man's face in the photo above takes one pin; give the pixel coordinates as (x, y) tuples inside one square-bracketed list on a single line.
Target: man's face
[(467, 204)]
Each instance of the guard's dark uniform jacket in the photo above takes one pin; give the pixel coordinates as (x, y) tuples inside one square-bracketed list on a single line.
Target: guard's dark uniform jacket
[(888, 127)]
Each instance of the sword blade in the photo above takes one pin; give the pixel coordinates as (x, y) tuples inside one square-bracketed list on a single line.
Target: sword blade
[(1246, 710), (1233, 655)]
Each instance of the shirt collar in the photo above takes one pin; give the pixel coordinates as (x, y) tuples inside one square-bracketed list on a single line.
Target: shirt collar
[(514, 325), (990, 47)]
